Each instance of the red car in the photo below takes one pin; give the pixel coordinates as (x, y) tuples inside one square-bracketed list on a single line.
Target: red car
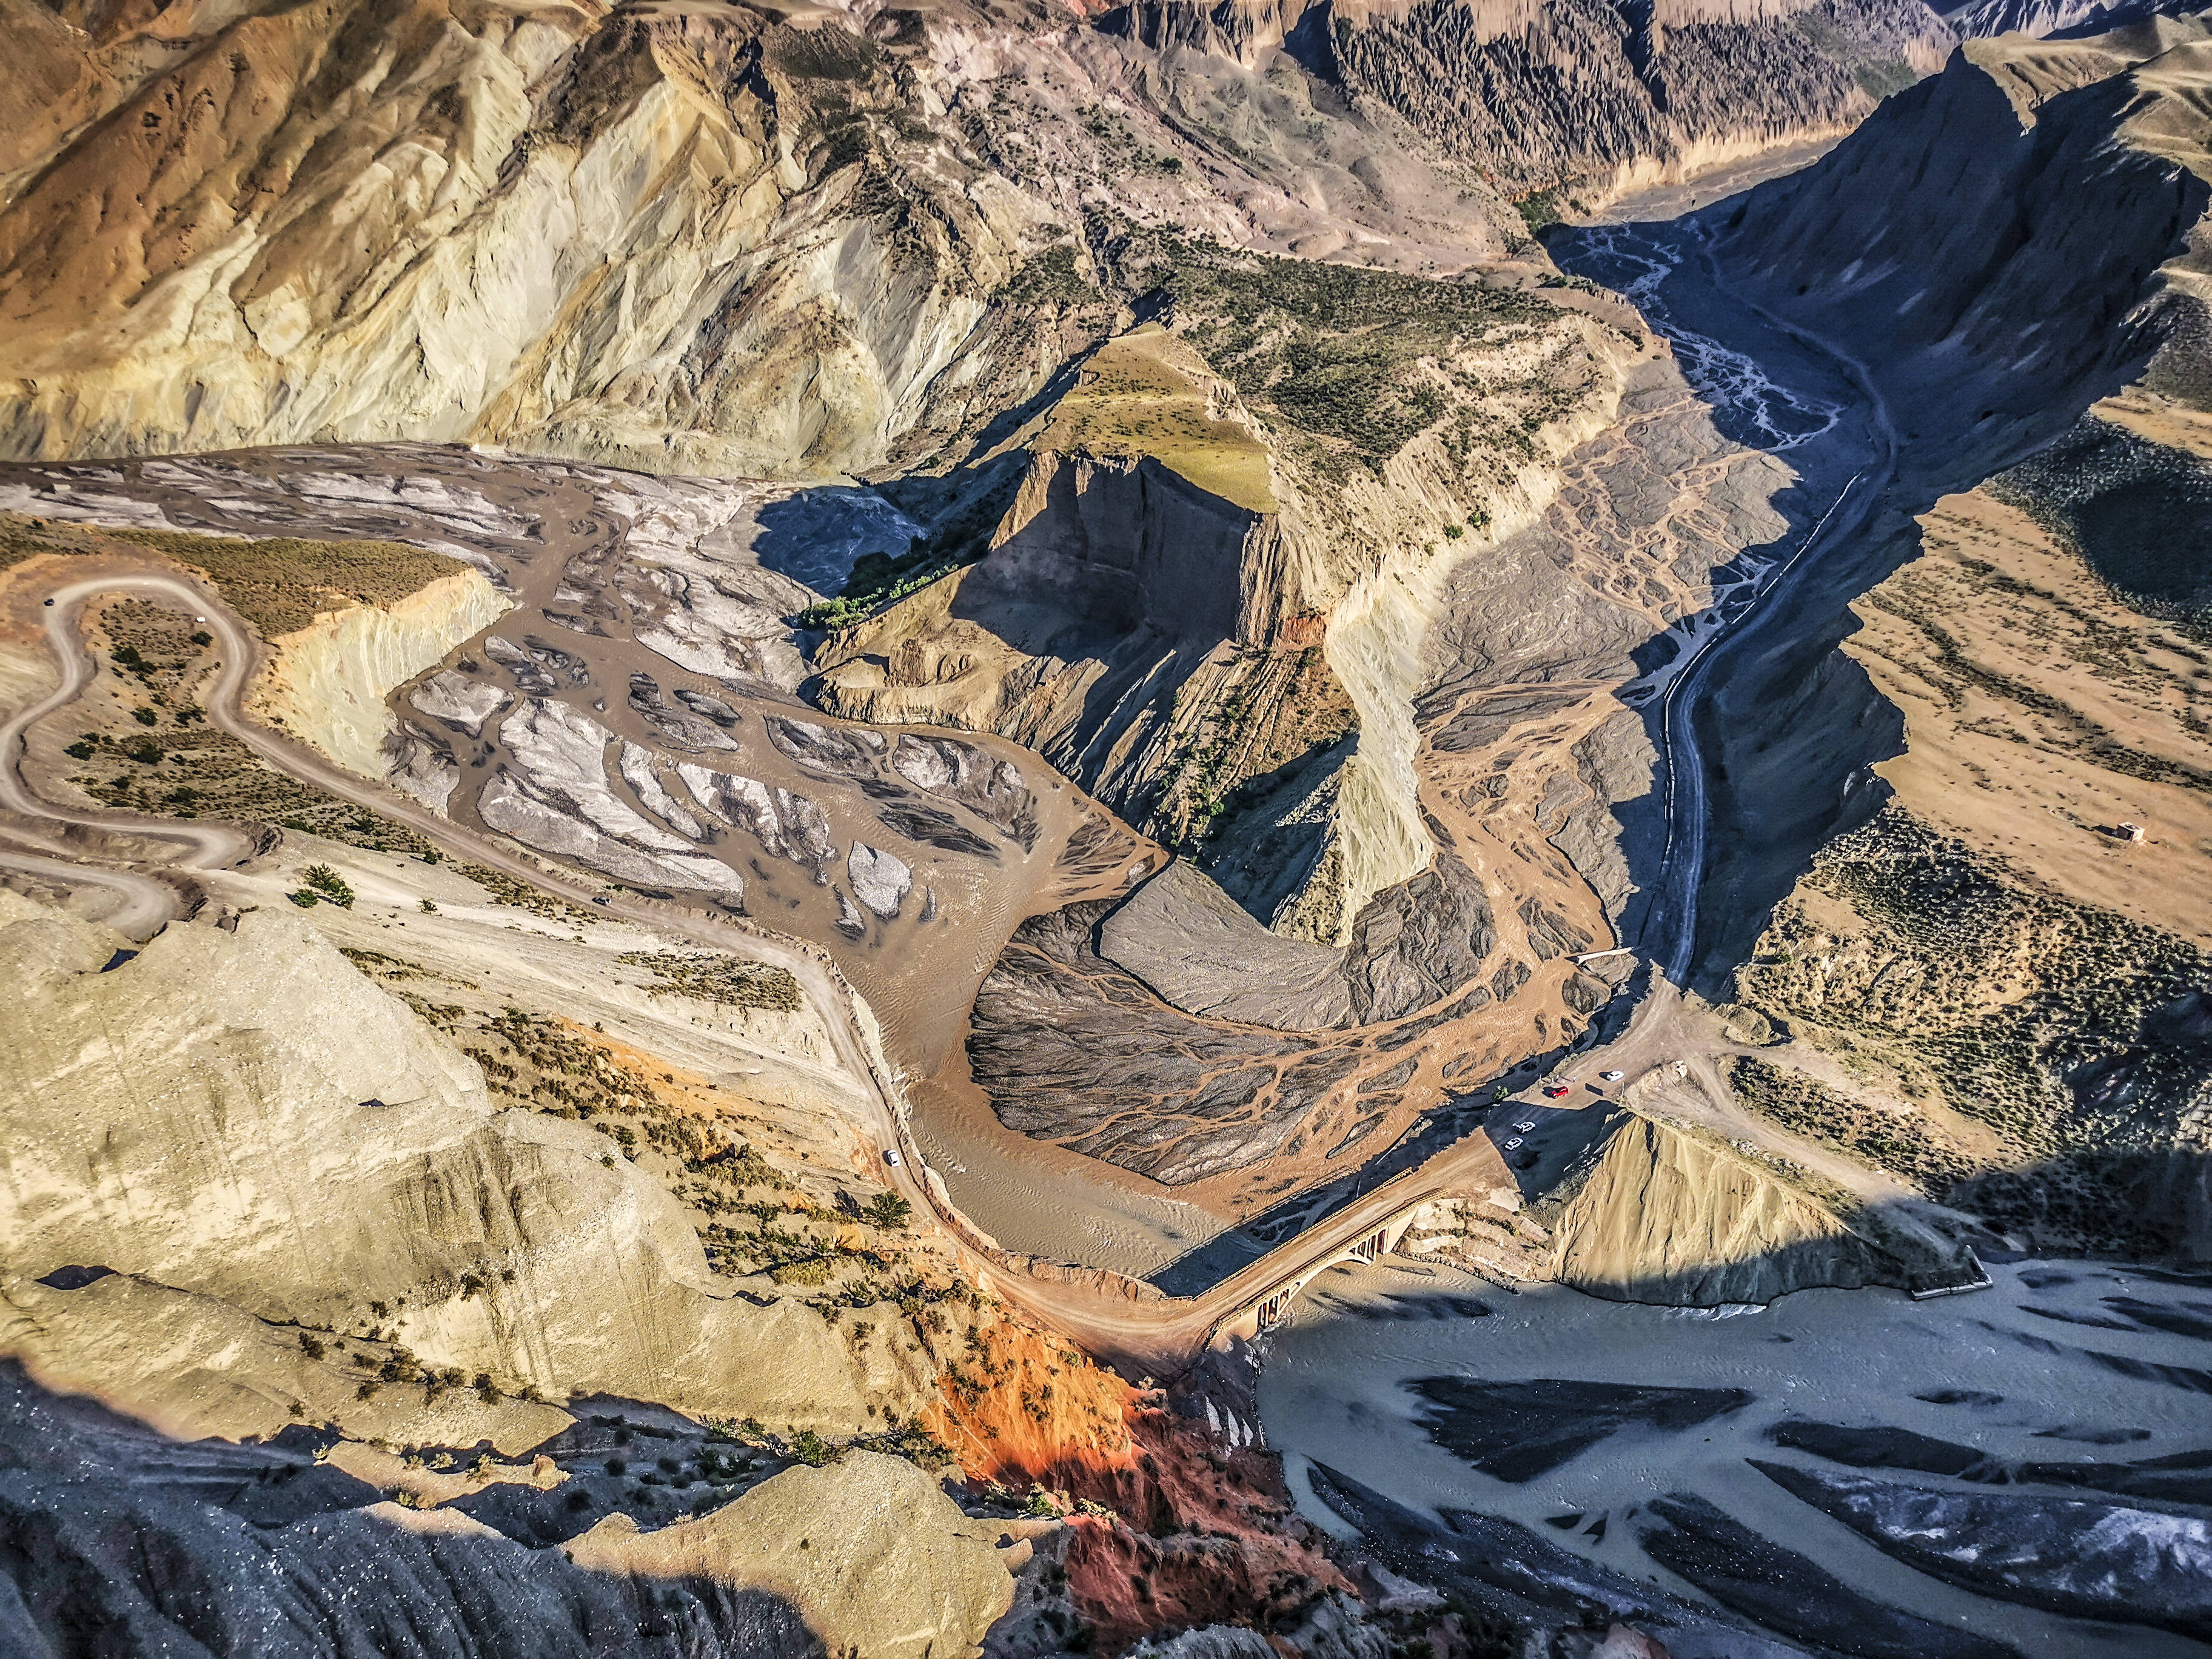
[(1555, 1090)]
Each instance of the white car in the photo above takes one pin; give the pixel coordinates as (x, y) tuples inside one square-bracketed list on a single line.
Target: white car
[(1613, 1076), (891, 1157), (1511, 1141), (1524, 1128)]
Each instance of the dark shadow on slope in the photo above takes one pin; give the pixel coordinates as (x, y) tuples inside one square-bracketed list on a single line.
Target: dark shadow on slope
[(815, 536), (158, 1544), (2052, 236)]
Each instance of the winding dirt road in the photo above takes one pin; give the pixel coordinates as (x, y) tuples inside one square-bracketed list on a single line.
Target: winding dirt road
[(1157, 1337), (1114, 1318)]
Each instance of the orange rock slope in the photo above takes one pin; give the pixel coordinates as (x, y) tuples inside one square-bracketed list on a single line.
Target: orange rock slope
[(1169, 1529)]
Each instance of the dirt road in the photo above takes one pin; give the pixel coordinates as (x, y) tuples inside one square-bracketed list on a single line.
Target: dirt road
[(1110, 1316)]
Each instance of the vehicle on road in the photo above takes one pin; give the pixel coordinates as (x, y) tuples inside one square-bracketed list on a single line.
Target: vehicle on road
[(1511, 1141), (601, 898), (892, 1158), (1530, 1124)]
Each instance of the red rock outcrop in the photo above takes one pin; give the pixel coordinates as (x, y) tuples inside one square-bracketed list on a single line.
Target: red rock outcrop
[(1169, 1531)]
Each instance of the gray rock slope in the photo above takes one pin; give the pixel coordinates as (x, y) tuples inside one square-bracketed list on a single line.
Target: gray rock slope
[(117, 1541)]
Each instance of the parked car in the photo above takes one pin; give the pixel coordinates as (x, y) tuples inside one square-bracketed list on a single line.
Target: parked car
[(1555, 1091), (1613, 1076)]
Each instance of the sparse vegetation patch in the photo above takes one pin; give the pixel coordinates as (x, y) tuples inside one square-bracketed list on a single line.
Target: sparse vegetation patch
[(2082, 1038), (279, 584)]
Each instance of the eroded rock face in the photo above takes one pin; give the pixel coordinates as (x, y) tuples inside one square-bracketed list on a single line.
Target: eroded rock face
[(1662, 1217), (328, 681), (285, 1138), (1111, 589), (1585, 95), (2074, 1040), (104, 1519)]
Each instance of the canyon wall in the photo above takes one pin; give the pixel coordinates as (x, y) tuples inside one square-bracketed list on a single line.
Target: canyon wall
[(677, 240), (726, 242), (1596, 98), (328, 681)]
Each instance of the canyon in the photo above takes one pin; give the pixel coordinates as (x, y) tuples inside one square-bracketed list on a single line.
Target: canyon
[(1002, 830)]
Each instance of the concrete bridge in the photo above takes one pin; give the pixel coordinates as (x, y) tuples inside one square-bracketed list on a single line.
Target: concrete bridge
[(1270, 1306)]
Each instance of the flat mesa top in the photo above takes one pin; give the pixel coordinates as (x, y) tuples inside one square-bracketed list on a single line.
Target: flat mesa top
[(1148, 392)]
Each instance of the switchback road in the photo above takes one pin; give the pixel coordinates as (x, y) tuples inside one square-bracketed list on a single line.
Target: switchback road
[(1113, 1317)]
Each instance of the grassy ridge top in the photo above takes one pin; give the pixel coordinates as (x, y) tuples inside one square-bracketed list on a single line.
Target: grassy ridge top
[(279, 583), (1145, 394), (1335, 351)]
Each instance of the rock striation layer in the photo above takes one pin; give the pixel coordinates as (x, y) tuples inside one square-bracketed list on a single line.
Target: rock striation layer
[(284, 1141)]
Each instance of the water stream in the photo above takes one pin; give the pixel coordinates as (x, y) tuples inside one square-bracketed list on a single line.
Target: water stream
[(2058, 1363)]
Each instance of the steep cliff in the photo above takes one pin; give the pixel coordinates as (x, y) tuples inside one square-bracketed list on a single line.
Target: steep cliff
[(1593, 99), (328, 681)]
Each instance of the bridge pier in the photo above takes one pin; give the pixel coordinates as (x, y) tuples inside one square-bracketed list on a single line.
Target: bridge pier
[(1271, 1309)]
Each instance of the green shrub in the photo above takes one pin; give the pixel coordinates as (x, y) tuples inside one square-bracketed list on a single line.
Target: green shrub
[(327, 882), (1538, 209), (888, 1211)]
